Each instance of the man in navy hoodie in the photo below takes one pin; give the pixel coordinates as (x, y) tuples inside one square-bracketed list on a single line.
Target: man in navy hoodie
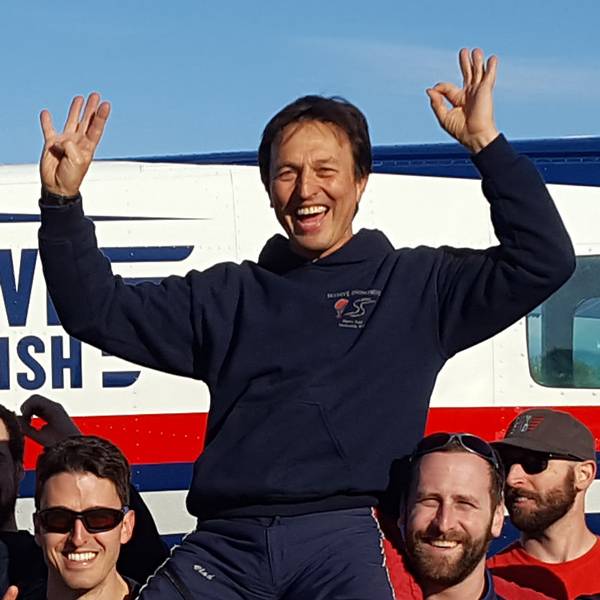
[(321, 357)]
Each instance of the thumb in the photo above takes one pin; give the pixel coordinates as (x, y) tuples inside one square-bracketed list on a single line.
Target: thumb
[(11, 593), (438, 104)]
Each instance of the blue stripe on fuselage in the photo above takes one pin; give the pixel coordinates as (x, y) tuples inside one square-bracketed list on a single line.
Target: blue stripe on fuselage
[(574, 161)]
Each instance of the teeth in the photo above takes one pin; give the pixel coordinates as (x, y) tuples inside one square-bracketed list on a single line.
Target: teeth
[(444, 544), (81, 556), (311, 210)]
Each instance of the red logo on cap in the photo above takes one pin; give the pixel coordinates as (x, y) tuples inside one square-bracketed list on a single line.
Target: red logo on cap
[(525, 423)]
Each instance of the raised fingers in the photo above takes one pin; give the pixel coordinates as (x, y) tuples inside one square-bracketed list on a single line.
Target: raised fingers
[(88, 113), (73, 116), (477, 61), (490, 71), (98, 122), (464, 60), (47, 127)]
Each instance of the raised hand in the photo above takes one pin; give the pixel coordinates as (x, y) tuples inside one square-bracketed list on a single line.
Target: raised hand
[(470, 118), (58, 423), (66, 156)]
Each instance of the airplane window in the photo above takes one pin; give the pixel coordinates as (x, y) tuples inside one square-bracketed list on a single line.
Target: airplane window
[(563, 333)]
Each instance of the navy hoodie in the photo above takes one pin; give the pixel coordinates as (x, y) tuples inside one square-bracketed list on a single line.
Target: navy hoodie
[(320, 372)]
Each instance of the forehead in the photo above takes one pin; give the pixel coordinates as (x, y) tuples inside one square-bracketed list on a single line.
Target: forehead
[(311, 137), (79, 491), (451, 473)]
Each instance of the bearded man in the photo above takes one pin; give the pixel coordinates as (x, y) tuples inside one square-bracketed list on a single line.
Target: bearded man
[(550, 461), (452, 510)]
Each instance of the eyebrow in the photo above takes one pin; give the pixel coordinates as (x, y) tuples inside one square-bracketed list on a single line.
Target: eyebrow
[(466, 498), (318, 162), (456, 497)]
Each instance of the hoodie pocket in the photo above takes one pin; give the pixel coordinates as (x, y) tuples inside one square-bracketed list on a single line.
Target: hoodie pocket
[(275, 449)]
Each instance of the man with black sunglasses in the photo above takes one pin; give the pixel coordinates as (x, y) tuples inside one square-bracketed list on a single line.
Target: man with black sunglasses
[(451, 511), (27, 569), (82, 518), (550, 462)]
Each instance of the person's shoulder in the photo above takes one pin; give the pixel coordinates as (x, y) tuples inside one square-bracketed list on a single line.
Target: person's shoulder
[(508, 590), (595, 549), (505, 556), (20, 543), (133, 587)]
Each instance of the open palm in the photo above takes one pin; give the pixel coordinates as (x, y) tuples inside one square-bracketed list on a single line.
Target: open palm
[(470, 117), (66, 156)]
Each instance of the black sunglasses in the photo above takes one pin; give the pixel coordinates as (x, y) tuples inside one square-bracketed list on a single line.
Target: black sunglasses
[(531, 462), (471, 443), (95, 520)]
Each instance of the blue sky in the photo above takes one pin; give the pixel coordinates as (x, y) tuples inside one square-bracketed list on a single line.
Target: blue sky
[(194, 76)]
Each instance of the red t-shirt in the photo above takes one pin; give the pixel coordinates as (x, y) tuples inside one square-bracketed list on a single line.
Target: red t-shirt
[(564, 581)]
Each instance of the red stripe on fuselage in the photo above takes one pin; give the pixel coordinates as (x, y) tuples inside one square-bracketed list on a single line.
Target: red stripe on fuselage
[(144, 439), (179, 438)]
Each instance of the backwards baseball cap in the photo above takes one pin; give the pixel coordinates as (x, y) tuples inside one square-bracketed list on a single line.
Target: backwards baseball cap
[(550, 431)]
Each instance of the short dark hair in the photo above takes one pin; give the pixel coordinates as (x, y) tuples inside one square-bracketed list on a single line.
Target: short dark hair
[(496, 475), (16, 439), (334, 110), (84, 454)]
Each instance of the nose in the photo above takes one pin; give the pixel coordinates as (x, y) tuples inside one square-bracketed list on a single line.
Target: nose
[(79, 534), (444, 519), (306, 184), (516, 475)]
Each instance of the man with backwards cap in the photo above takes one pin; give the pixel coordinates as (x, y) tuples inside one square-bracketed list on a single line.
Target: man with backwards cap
[(550, 462)]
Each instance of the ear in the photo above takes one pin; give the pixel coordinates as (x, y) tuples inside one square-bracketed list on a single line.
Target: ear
[(127, 526), (585, 473), (498, 520), (361, 184)]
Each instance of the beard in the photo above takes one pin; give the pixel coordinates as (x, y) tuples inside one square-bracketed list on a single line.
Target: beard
[(445, 570), (549, 506)]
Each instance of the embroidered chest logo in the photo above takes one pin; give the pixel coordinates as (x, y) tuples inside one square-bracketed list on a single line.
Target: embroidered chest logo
[(352, 307)]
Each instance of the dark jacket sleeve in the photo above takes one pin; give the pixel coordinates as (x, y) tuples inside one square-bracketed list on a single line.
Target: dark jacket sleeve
[(149, 324), (482, 292), (145, 551), (3, 568)]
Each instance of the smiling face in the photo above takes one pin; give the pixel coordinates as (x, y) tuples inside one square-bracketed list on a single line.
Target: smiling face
[(313, 187), (79, 560), (450, 519)]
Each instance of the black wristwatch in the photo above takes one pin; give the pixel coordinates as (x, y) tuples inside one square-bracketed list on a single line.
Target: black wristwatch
[(52, 199)]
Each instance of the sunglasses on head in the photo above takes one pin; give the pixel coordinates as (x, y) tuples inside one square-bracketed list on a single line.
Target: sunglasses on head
[(471, 443), (95, 520), (532, 462)]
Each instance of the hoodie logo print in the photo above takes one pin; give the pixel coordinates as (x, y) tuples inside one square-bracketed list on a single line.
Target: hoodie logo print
[(352, 307)]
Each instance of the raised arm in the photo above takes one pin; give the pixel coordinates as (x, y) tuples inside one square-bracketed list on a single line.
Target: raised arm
[(482, 292), (146, 323)]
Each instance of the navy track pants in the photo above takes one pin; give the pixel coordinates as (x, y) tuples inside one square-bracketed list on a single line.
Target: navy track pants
[(336, 555)]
